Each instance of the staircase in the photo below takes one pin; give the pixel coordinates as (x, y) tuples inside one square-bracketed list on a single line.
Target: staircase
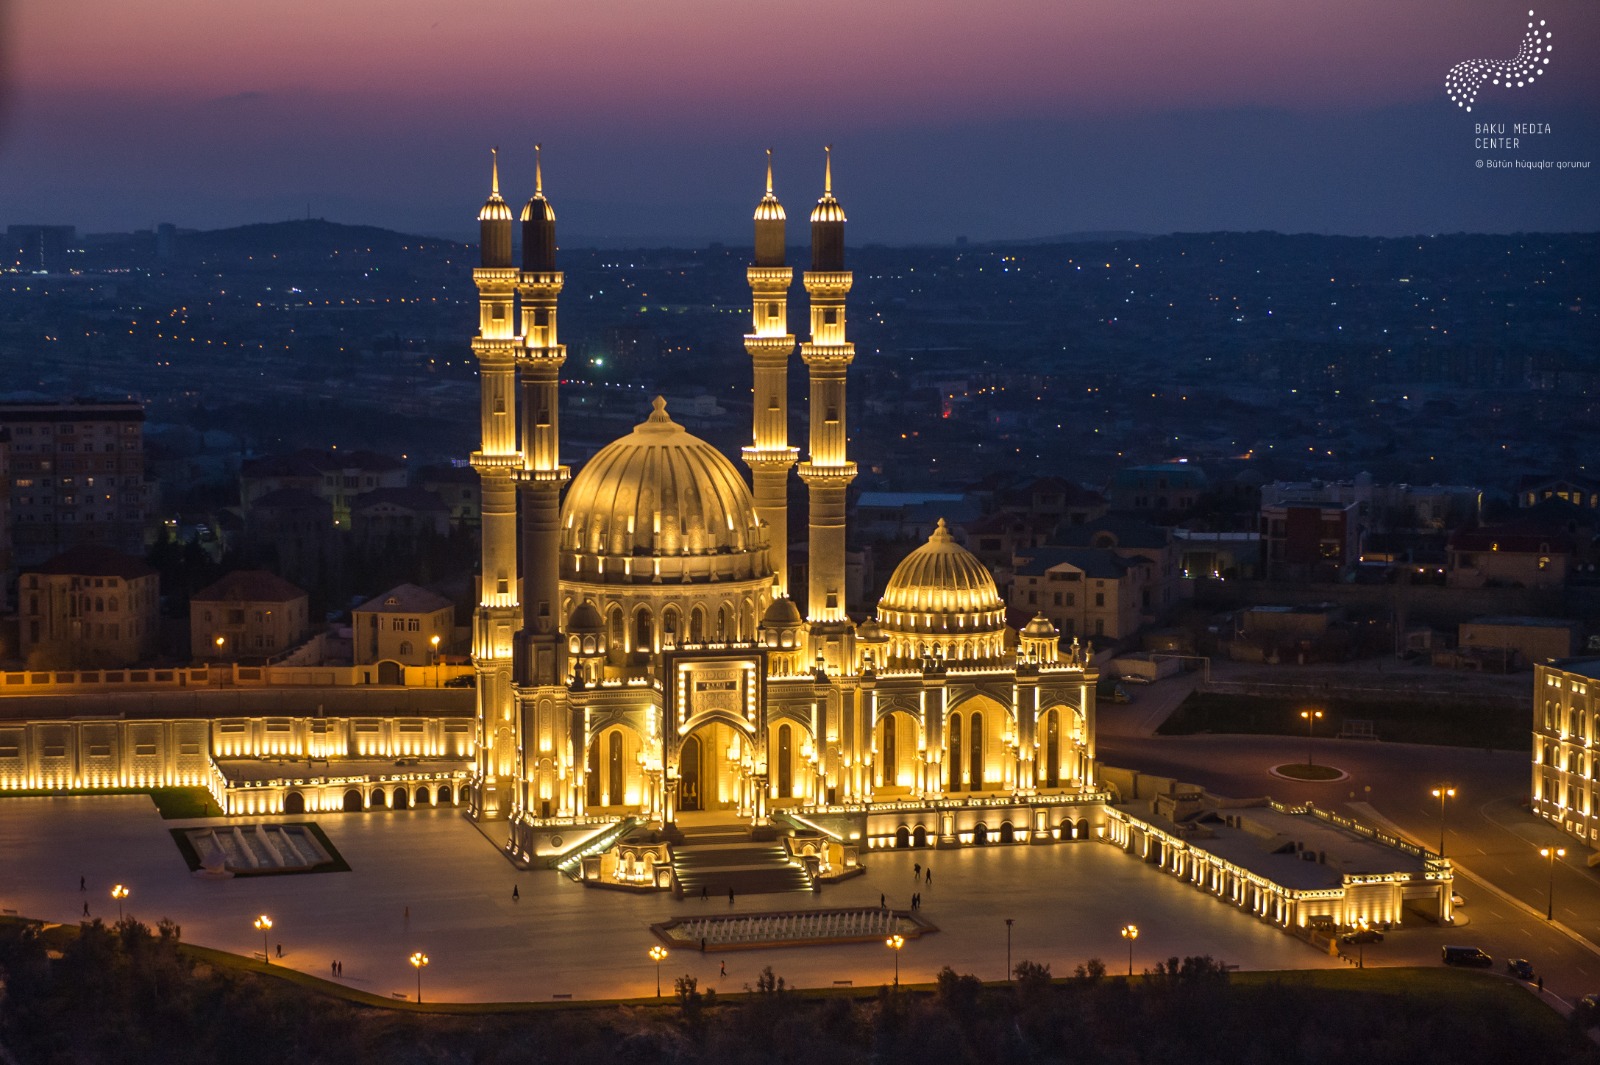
[(715, 858)]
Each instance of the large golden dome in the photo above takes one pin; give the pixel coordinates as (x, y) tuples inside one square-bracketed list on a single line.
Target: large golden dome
[(660, 504), (942, 601)]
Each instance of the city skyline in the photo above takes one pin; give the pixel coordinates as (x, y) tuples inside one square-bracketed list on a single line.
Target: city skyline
[(1018, 122)]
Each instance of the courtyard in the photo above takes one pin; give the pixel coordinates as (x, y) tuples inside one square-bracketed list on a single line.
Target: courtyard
[(428, 880)]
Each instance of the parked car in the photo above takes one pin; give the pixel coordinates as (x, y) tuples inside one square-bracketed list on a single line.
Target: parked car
[(1362, 935), (1467, 956), (1521, 968), (1137, 678)]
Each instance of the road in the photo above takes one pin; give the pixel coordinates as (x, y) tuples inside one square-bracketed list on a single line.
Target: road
[(1488, 831)]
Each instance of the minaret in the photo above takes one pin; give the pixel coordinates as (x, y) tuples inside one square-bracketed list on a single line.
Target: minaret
[(542, 476), (770, 344), (828, 473), (497, 461)]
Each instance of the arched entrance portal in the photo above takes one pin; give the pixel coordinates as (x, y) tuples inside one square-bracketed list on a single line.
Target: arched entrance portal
[(709, 768)]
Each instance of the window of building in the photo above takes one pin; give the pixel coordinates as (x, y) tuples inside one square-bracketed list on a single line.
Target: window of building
[(1099, 598)]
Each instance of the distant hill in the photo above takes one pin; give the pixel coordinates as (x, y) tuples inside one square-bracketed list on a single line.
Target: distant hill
[(1090, 236), (314, 239)]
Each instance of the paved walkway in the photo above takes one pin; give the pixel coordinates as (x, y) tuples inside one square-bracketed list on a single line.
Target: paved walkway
[(1069, 902)]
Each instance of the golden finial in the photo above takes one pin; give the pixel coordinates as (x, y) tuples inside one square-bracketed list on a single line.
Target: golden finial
[(769, 171), (538, 172), (827, 174), (494, 153)]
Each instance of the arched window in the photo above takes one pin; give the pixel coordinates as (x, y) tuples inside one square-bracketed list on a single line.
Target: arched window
[(405, 648), (697, 625), (593, 782), (643, 642), (785, 768), (614, 770), (888, 756), (975, 772), (1052, 749), (953, 744)]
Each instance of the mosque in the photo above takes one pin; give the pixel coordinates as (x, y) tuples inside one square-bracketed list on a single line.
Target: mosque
[(649, 663)]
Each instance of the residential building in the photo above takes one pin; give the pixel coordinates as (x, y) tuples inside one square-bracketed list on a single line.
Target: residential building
[(77, 477), (1084, 591), (249, 614), (1308, 540), (406, 624), (1566, 746), (1163, 488), (89, 607)]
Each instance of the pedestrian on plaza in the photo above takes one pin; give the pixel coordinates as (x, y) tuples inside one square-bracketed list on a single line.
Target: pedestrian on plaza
[(704, 889), (730, 896), (83, 885), (702, 944), (86, 909), (724, 970), (408, 912), (916, 870), (333, 968), (341, 967), (1541, 985), (516, 896), (928, 876), (280, 950), (882, 903)]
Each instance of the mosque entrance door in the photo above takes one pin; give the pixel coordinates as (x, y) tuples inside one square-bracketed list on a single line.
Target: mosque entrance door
[(689, 775), (709, 769)]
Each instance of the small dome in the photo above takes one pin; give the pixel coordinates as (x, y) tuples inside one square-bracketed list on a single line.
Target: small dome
[(828, 209), (661, 504), (781, 614), (940, 577), (769, 209), (495, 209), (585, 619), (870, 631), (1041, 627), (942, 601), (537, 209)]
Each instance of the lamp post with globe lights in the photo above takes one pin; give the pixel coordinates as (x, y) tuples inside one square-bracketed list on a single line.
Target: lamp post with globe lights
[(419, 961), (1130, 932), (896, 943), (1443, 792), (1311, 719), (658, 953), (1552, 853), (264, 925), (119, 893)]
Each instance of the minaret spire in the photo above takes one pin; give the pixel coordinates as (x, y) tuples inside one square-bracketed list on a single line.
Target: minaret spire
[(494, 167), (828, 471), (770, 344), (538, 171)]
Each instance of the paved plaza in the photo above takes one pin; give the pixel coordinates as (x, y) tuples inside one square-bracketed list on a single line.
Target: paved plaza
[(1069, 902)]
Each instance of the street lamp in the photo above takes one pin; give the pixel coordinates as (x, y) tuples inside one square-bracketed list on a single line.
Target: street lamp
[(1009, 922), (896, 943), (264, 925), (1551, 853), (1442, 792), (418, 961), (119, 893), (434, 639), (1130, 932), (658, 952), (1312, 717)]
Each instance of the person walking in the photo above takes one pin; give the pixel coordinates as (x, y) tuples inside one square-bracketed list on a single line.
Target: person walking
[(927, 877), (883, 903), (86, 908), (83, 884), (916, 870), (723, 971), (516, 896), (730, 896), (333, 968), (704, 891), (280, 950)]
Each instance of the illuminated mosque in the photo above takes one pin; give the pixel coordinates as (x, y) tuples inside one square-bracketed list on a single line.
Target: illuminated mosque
[(649, 663)]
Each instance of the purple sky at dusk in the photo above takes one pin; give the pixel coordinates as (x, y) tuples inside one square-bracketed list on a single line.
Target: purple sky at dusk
[(1012, 118)]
